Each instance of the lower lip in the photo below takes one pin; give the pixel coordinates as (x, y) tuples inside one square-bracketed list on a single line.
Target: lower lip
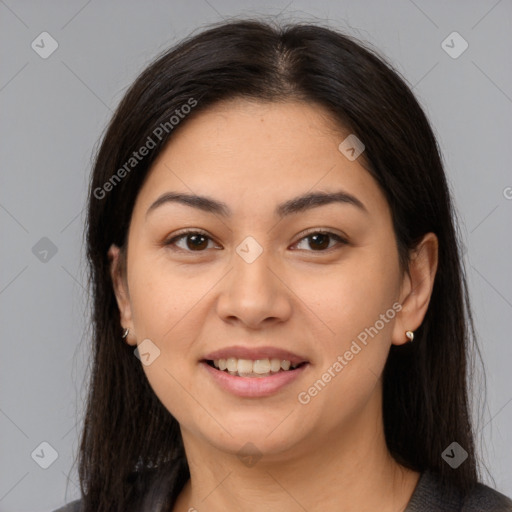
[(253, 387)]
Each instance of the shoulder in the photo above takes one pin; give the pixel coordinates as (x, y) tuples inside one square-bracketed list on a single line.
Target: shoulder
[(151, 486), (430, 494), (73, 506), (484, 498)]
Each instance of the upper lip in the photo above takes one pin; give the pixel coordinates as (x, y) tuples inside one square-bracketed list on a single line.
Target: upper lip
[(239, 352)]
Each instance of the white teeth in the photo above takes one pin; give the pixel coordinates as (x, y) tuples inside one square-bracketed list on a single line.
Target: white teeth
[(275, 365), (232, 364), (245, 366), (248, 367), (261, 366)]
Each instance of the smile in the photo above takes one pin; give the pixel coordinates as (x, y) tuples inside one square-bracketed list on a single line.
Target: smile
[(251, 384), (253, 368)]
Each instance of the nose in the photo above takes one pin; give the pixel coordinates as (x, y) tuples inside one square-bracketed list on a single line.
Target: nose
[(254, 293)]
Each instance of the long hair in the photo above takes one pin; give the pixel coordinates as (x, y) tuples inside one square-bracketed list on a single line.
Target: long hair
[(130, 442)]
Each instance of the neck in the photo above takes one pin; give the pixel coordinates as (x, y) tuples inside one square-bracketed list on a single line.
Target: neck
[(345, 471)]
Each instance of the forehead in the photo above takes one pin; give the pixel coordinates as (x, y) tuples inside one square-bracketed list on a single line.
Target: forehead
[(249, 153)]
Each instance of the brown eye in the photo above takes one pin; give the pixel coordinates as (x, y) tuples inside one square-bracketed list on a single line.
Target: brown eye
[(194, 241), (319, 241)]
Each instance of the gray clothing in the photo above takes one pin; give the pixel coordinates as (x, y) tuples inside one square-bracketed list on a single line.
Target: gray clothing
[(429, 496)]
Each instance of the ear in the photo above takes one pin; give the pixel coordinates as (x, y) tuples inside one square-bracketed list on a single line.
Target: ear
[(416, 288), (119, 282)]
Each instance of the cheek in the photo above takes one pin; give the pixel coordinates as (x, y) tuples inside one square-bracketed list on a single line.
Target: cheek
[(164, 305), (354, 295), (359, 313), (356, 303), (163, 295)]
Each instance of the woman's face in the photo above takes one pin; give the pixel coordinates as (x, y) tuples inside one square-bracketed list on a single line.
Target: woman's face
[(260, 282)]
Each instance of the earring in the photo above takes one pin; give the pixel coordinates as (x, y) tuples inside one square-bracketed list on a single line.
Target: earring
[(410, 335), (125, 333)]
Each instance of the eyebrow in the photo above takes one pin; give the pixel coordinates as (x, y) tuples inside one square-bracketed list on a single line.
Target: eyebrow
[(295, 205)]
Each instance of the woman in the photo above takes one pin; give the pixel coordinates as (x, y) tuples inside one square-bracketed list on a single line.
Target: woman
[(281, 318)]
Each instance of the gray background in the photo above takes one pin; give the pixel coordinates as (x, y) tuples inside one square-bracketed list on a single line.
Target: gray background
[(54, 111)]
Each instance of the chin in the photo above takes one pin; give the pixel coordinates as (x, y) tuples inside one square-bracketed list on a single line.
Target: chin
[(256, 435)]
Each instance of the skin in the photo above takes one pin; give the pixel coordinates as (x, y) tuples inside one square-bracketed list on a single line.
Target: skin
[(252, 156)]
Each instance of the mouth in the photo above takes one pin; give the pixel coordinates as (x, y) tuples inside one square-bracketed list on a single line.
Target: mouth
[(254, 372), (256, 368), (253, 378)]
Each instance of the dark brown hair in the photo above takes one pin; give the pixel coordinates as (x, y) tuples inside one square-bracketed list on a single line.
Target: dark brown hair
[(131, 454)]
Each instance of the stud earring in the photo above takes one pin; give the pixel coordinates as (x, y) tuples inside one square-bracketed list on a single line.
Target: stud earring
[(410, 335), (125, 333)]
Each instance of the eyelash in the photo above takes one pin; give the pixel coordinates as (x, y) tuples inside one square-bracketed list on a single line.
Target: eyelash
[(342, 241)]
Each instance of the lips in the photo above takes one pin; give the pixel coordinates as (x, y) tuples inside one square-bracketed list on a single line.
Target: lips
[(260, 386), (250, 383), (254, 354)]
